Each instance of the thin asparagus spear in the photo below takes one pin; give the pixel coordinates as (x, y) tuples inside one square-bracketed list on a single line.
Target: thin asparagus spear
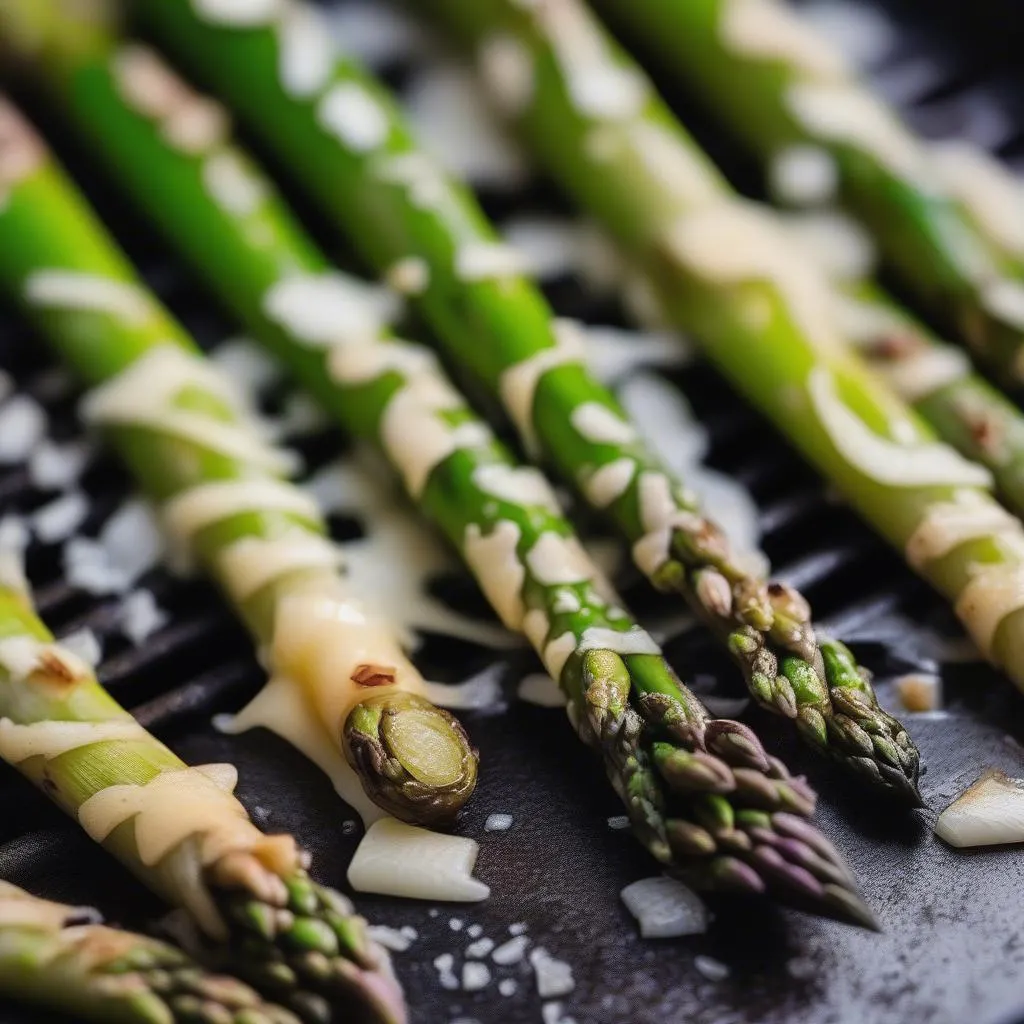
[(728, 272), (180, 830), (782, 88), (702, 794), (196, 452), (404, 214), (61, 958)]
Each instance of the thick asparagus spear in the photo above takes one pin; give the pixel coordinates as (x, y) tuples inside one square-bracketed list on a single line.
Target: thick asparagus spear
[(728, 272), (937, 379), (61, 958), (196, 452), (782, 88), (702, 794), (180, 830), (405, 215)]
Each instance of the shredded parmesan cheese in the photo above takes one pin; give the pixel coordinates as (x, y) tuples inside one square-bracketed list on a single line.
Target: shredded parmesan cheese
[(600, 425), (494, 562), (397, 859), (609, 482), (70, 289), (354, 116)]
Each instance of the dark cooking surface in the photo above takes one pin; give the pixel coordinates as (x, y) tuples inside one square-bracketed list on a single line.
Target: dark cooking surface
[(952, 950)]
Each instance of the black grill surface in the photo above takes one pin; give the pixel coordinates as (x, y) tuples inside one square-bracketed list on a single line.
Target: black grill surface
[(952, 947)]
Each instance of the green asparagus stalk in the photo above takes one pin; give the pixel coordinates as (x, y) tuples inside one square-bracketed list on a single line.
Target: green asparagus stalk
[(62, 958), (427, 232), (702, 794), (937, 379), (196, 452), (727, 271), (183, 833), (792, 99)]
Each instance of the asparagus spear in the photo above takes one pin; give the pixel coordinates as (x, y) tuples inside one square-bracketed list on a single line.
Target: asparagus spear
[(62, 958), (781, 88), (937, 379), (196, 452), (180, 830), (407, 217), (702, 794), (727, 271)]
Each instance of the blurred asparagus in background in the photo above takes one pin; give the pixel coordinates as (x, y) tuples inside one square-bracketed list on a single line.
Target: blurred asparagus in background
[(343, 136), (727, 272), (701, 793), (61, 958), (181, 831), (791, 98)]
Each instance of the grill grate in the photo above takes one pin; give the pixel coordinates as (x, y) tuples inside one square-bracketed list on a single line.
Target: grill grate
[(559, 867)]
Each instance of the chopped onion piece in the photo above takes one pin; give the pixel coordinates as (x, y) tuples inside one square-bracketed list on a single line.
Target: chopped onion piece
[(665, 908), (396, 859), (990, 812)]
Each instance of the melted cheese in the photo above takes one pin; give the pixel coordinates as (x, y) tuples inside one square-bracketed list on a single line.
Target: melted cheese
[(201, 506), (993, 593), (233, 183), (631, 641), (679, 169), (518, 484), (305, 51), (51, 739), (557, 560), (736, 242), (848, 115), (518, 383), (609, 482), (537, 626), (948, 524), (887, 462), (495, 564), (660, 515), (286, 711), (506, 67), (172, 807), (600, 425), (88, 293), (251, 563), (769, 30), (323, 310), (142, 396), (354, 116), (416, 437), (987, 188), (420, 176), (370, 360), (557, 652), (239, 13), (924, 371), (485, 261)]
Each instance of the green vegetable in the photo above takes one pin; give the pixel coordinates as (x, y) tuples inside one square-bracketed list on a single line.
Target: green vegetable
[(183, 834), (702, 794), (778, 86), (727, 272), (344, 138), (60, 958)]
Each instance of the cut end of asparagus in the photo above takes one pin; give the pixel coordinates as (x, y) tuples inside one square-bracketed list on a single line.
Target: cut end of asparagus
[(302, 944), (413, 759)]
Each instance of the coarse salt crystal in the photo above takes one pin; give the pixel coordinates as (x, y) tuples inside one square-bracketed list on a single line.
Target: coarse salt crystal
[(480, 948), (712, 969), (498, 822), (140, 616), (58, 519), (475, 976), (554, 977), (511, 952), (22, 427)]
